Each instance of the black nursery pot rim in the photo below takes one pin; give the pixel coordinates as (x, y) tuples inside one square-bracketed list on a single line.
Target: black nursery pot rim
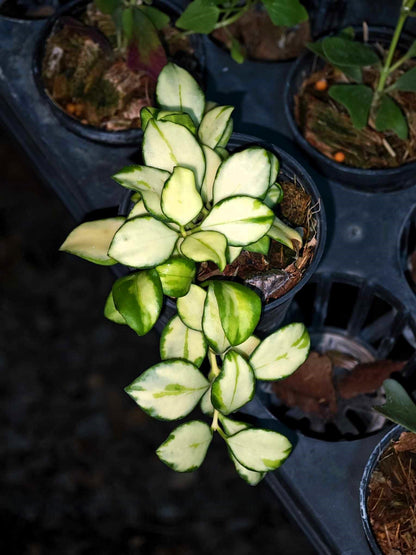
[(369, 180), (365, 480), (123, 137)]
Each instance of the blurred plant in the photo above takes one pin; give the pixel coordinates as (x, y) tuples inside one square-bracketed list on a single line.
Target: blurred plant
[(204, 16), (399, 406), (137, 25), (194, 203), (366, 105)]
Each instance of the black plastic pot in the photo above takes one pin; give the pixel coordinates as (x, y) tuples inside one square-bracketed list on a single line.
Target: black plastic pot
[(375, 456), (275, 311), (374, 180), (122, 137)]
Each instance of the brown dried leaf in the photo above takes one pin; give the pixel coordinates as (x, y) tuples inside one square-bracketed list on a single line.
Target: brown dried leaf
[(367, 377), (406, 442)]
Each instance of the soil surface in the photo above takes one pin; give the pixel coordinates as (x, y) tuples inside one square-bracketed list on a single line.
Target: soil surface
[(392, 498), (327, 126), (79, 475), (93, 82), (262, 40), (278, 272)]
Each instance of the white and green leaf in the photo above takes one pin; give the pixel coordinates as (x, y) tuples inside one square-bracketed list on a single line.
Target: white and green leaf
[(178, 91), (206, 245), (281, 353), (283, 233), (180, 118), (274, 167), (248, 346), (259, 450), (191, 307), (176, 276), (206, 403), (239, 309), (169, 390), (212, 163), (234, 386), (139, 209), (138, 298), (261, 246), (211, 324), (243, 173), (91, 240), (181, 201), (179, 341), (274, 195), (111, 312), (233, 253), (143, 242), (186, 447), (243, 220), (214, 125)]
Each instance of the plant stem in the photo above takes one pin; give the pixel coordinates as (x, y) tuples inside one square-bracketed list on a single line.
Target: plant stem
[(404, 13), (228, 20), (212, 357)]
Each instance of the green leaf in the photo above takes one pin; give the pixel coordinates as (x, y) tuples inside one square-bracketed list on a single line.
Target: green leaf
[(344, 52), (389, 117), (143, 242), (235, 385), (317, 48), (243, 220), (147, 113), (107, 6), (191, 307), (181, 201), (200, 16), (167, 144), (285, 234), (262, 246), (111, 312), (399, 407), (177, 90), (148, 181), (179, 341), (186, 447), (353, 73), (178, 117), (212, 163), (243, 173), (236, 51), (281, 353), (138, 298), (169, 390), (211, 324), (222, 152), (248, 346), (347, 33), (206, 245), (407, 81), (239, 309), (285, 12), (274, 195), (259, 450), (356, 99), (91, 240), (158, 18), (214, 125), (176, 276)]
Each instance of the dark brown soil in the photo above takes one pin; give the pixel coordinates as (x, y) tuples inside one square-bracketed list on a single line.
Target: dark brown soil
[(88, 78), (262, 40), (275, 274), (327, 126), (392, 498)]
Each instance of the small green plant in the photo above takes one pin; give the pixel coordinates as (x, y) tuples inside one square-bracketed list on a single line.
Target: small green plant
[(194, 203), (399, 406), (204, 16), (367, 105), (137, 25)]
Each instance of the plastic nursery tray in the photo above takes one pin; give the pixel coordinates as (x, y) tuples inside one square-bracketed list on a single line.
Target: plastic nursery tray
[(366, 245)]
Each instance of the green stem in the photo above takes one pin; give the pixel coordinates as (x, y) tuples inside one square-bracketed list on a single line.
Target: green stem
[(228, 20), (386, 67), (212, 357)]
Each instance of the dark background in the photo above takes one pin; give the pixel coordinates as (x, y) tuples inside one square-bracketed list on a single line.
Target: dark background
[(78, 469)]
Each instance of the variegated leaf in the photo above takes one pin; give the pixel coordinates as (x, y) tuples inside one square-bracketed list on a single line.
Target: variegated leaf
[(138, 298), (181, 201), (285, 234), (139, 209), (248, 346), (206, 403), (211, 324), (179, 341), (281, 353), (186, 447), (206, 245), (235, 385), (233, 253), (178, 117), (111, 312), (169, 390), (212, 163), (176, 276), (274, 167), (191, 307), (214, 125), (261, 246), (274, 195)]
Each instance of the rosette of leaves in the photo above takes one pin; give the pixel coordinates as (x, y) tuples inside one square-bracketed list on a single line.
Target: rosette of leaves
[(137, 31), (204, 16), (365, 104), (195, 203)]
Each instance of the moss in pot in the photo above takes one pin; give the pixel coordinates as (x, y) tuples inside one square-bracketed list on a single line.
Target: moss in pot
[(192, 207), (391, 495), (269, 30), (101, 60), (359, 108)]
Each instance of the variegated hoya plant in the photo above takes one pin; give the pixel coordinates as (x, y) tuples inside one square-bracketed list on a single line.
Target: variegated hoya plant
[(193, 203)]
